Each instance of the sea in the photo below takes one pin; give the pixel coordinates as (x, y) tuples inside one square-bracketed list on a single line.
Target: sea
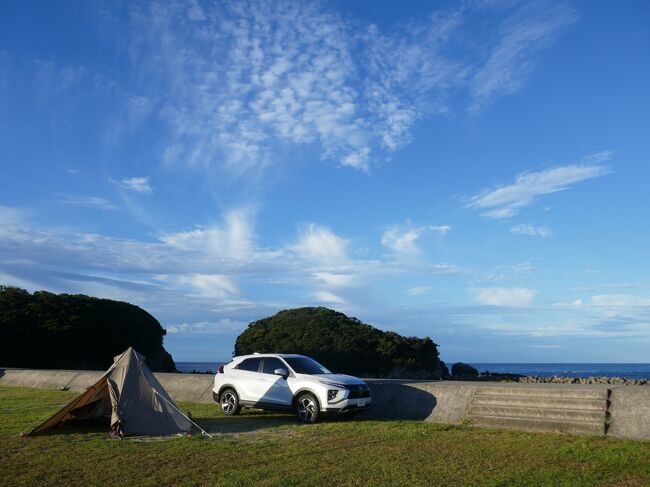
[(630, 371)]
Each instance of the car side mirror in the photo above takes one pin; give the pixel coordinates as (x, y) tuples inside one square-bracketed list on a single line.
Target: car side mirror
[(282, 372)]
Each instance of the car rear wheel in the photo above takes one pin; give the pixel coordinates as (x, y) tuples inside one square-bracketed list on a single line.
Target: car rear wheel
[(229, 402), (308, 408)]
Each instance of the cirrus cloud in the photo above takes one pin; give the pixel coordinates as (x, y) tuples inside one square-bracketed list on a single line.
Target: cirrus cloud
[(504, 296), (507, 200)]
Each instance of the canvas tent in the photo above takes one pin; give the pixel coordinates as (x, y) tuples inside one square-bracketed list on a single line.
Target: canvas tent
[(131, 396)]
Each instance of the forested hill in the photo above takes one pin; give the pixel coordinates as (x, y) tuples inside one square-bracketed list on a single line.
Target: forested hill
[(343, 344), (65, 331)]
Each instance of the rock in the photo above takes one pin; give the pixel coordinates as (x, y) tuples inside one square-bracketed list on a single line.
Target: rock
[(459, 369), (443, 370)]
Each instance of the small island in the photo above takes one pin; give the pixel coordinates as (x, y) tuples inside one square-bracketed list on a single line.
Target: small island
[(344, 344), (44, 330)]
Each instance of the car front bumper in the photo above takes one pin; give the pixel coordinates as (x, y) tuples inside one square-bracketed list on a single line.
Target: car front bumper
[(349, 405)]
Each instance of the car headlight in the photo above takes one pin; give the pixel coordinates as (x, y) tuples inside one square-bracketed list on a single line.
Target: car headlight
[(332, 393), (332, 384)]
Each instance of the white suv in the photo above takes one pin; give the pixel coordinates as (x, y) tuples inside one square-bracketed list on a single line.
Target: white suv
[(287, 382)]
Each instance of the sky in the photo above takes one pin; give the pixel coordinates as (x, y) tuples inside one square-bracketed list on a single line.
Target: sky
[(472, 171)]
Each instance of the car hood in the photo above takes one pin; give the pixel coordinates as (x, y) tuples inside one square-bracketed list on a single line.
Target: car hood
[(341, 378)]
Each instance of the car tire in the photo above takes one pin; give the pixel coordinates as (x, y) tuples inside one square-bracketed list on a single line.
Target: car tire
[(229, 402), (308, 408)]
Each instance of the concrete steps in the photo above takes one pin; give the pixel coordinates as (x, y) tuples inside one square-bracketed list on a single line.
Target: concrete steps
[(560, 410), (580, 403)]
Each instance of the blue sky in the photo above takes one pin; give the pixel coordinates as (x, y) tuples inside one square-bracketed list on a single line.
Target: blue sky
[(475, 172)]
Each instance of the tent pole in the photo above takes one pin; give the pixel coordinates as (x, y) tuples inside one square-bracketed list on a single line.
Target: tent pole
[(182, 413)]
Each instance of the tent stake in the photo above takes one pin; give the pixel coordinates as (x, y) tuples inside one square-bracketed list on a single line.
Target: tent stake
[(182, 413)]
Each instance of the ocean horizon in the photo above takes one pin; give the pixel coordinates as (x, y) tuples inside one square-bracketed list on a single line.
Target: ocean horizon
[(630, 371)]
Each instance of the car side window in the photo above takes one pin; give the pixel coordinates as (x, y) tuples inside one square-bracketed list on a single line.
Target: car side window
[(250, 364), (272, 363)]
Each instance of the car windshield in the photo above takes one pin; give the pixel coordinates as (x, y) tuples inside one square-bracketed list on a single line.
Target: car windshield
[(306, 365)]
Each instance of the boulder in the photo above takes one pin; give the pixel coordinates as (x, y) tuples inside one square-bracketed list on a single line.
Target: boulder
[(459, 369)]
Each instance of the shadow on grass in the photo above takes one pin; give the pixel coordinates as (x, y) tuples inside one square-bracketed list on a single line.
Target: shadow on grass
[(246, 423), (252, 421)]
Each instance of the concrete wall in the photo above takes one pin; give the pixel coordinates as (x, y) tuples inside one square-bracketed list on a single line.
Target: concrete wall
[(182, 387), (439, 402), (629, 411), (628, 408)]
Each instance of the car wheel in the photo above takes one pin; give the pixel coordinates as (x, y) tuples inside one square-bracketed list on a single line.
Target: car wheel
[(308, 408), (229, 402)]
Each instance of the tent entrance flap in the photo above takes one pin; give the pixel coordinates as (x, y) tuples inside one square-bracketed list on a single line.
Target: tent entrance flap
[(78, 407)]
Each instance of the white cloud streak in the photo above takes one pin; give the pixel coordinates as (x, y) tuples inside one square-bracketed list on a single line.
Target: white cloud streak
[(532, 27), (328, 297), (418, 290), (505, 296), (137, 184), (404, 240), (532, 230), (507, 200), (96, 202), (220, 327)]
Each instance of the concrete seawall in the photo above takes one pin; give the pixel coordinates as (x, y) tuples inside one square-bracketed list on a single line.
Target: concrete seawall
[(619, 411)]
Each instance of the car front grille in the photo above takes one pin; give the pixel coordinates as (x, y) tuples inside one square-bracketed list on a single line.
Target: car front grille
[(358, 391)]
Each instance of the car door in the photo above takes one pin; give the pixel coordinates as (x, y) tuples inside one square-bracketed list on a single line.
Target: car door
[(247, 377), (274, 389)]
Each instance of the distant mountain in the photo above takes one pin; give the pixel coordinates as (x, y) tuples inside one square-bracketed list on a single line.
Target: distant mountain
[(342, 344), (73, 331)]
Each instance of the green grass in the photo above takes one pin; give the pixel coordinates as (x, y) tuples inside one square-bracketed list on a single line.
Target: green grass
[(263, 449)]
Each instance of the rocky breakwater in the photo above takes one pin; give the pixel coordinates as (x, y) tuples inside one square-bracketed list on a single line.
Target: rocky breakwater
[(617, 381)]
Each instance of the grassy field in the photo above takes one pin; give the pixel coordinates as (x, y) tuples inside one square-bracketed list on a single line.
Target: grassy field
[(261, 449)]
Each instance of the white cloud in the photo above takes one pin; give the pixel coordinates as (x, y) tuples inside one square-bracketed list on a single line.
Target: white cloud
[(504, 296), (532, 230), (209, 285), (506, 201), (320, 244), (235, 240), (418, 290), (444, 269), (577, 303), (11, 216), (328, 297), (403, 240), (195, 12), (335, 280), (530, 28), (523, 267), (223, 326), (238, 83), (139, 185), (86, 201)]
